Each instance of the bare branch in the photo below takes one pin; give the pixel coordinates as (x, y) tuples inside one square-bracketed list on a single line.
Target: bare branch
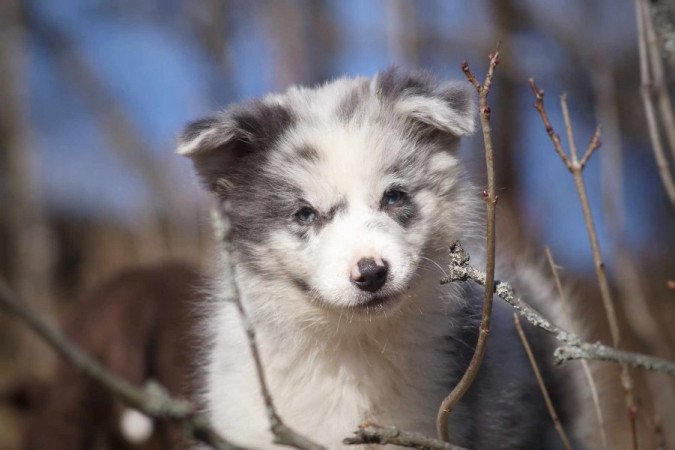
[(573, 347), (539, 106), (28, 254), (491, 201), (592, 147), (646, 91), (373, 434), (470, 76), (608, 303), (283, 434), (153, 401), (542, 385), (659, 85), (568, 125)]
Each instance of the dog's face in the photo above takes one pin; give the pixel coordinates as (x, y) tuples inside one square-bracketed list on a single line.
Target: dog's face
[(340, 190)]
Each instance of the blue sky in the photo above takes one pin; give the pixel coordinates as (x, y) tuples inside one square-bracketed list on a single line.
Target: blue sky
[(163, 79)]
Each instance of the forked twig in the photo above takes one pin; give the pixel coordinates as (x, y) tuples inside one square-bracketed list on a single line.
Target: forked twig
[(491, 201), (576, 167)]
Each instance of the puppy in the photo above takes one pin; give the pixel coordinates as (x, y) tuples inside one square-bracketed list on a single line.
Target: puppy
[(343, 199)]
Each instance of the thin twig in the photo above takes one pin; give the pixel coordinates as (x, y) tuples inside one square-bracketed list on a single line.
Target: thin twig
[(592, 147), (539, 105), (542, 385), (153, 401), (575, 166), (491, 201), (374, 434), (283, 434), (584, 364), (568, 127), (593, 238), (573, 346), (646, 91)]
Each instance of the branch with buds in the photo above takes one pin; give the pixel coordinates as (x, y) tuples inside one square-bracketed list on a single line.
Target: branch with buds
[(490, 197)]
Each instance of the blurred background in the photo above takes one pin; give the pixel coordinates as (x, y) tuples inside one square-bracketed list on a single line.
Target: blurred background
[(93, 94)]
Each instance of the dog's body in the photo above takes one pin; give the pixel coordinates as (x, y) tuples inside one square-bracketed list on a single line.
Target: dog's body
[(343, 200)]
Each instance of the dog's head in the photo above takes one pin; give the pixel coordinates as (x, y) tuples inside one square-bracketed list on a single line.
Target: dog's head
[(339, 190)]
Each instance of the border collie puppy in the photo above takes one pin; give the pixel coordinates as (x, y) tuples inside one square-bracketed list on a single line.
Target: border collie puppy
[(344, 198)]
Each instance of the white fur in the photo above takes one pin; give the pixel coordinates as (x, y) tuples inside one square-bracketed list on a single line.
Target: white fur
[(330, 360), (329, 366), (326, 380)]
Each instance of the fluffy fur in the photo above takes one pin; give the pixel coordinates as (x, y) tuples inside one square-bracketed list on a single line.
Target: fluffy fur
[(319, 180)]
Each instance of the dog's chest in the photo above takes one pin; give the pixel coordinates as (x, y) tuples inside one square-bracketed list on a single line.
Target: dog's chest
[(332, 389), (325, 387)]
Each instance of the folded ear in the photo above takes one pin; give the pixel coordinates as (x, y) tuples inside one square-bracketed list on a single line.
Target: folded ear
[(217, 144), (449, 107)]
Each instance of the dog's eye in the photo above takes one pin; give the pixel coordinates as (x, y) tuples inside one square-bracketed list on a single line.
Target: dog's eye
[(306, 215), (392, 197)]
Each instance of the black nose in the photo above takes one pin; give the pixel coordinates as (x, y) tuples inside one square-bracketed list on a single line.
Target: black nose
[(371, 275)]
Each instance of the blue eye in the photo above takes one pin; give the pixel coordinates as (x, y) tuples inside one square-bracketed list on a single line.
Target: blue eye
[(306, 215), (392, 197)]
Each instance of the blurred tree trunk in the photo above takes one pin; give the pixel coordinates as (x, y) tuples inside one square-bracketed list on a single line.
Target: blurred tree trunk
[(402, 32), (29, 247), (507, 119), (324, 41), (210, 24), (285, 25)]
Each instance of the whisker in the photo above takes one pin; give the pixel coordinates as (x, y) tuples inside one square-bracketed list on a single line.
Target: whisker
[(445, 274)]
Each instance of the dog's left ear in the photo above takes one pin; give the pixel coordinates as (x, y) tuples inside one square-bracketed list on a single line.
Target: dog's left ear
[(217, 145), (449, 107)]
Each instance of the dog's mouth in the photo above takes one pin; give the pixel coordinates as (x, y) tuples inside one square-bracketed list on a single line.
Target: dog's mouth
[(379, 303), (371, 306)]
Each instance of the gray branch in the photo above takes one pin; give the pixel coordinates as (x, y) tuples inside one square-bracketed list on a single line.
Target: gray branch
[(373, 434), (573, 346)]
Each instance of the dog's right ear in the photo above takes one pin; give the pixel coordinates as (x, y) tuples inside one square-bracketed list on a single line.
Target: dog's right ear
[(216, 144)]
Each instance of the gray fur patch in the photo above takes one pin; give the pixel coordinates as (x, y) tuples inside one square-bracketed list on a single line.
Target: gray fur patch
[(196, 128), (229, 139), (261, 202), (308, 153), (322, 219), (404, 213), (393, 83), (336, 208), (301, 285), (349, 105), (262, 123), (437, 109)]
